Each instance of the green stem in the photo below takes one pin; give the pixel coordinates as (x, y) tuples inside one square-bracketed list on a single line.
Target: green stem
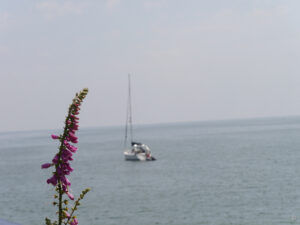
[(60, 190), (60, 203)]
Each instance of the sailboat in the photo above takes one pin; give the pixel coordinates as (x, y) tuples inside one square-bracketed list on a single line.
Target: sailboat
[(137, 151)]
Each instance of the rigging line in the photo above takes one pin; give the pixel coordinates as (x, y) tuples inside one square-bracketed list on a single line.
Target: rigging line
[(127, 118), (130, 107), (126, 127)]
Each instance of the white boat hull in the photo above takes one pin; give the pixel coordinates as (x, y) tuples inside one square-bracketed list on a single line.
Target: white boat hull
[(132, 156)]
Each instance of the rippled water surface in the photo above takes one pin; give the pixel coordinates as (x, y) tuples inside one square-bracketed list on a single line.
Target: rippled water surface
[(242, 172)]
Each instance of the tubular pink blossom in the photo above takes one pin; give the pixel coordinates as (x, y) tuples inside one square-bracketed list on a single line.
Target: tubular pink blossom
[(46, 165), (74, 141), (74, 222), (71, 130), (74, 117), (72, 133), (65, 189), (75, 127), (52, 180), (65, 181), (55, 159), (68, 182), (54, 136), (67, 214), (72, 148), (67, 168), (72, 136), (66, 155), (70, 195)]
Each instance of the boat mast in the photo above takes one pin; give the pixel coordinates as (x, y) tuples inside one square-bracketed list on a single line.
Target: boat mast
[(128, 115), (130, 108)]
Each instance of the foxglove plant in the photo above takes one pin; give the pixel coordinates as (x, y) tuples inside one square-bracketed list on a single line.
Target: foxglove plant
[(62, 168)]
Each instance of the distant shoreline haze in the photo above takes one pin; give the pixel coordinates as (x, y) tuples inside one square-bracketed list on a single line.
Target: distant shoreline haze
[(228, 120)]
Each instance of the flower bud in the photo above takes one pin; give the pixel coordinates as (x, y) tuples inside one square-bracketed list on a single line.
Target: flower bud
[(46, 165), (54, 136)]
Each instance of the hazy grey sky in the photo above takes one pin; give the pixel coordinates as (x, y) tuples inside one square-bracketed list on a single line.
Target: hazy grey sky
[(190, 60)]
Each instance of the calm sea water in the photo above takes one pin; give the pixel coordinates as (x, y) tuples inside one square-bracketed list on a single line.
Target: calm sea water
[(242, 172)]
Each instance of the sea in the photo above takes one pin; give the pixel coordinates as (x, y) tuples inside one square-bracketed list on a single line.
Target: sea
[(233, 172)]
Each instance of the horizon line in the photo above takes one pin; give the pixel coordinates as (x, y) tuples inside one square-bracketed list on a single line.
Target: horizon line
[(157, 123)]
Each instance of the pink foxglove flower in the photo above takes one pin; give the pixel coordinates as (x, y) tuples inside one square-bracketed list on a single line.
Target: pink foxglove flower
[(46, 165), (54, 136), (61, 163), (70, 195), (52, 180), (74, 222), (67, 214)]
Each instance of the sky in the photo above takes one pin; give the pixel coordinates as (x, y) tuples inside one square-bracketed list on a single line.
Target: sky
[(191, 60)]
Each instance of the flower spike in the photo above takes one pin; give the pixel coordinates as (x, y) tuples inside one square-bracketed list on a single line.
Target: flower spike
[(61, 162)]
